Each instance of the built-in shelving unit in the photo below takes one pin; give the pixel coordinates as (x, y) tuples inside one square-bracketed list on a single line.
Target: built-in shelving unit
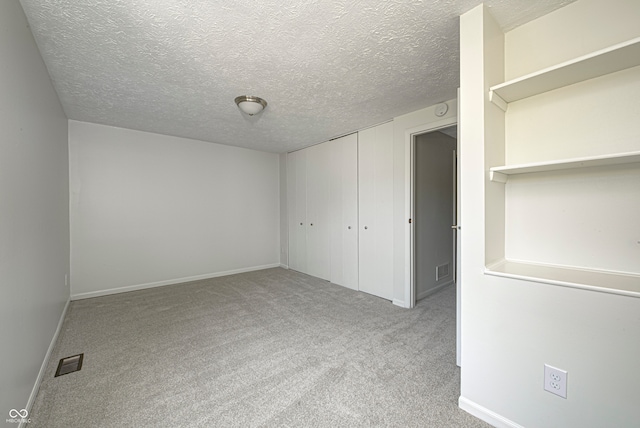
[(502, 173), (604, 281), (615, 58), (599, 63)]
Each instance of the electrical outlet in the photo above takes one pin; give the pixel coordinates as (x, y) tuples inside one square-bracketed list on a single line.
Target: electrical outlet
[(555, 381)]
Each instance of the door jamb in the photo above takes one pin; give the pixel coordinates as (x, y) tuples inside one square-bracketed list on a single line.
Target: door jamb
[(409, 289)]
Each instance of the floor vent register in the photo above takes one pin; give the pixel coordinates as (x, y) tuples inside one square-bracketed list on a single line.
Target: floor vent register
[(69, 365)]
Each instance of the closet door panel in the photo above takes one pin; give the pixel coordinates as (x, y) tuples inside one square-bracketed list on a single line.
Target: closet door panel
[(300, 211), (318, 239), (375, 181), (344, 211)]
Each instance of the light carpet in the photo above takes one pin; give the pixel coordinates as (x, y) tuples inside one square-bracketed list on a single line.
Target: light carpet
[(271, 348)]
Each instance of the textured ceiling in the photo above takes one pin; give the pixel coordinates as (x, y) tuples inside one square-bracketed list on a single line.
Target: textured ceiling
[(326, 67)]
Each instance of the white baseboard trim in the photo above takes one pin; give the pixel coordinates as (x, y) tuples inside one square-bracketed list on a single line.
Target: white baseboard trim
[(345, 286), (485, 414), (433, 290), (284, 266), (45, 362), (128, 288), (398, 302)]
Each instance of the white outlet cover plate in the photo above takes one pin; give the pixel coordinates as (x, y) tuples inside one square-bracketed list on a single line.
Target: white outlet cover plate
[(555, 381)]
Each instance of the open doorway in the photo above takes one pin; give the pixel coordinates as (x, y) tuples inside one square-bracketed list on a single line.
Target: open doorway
[(449, 128), (434, 209), (434, 206)]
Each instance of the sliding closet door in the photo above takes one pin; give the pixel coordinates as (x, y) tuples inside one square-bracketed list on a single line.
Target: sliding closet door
[(375, 181), (318, 241), (297, 202), (344, 210)]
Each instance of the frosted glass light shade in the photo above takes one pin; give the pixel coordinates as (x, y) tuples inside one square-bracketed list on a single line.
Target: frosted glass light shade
[(250, 105)]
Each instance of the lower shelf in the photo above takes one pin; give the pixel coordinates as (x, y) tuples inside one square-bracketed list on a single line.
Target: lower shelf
[(602, 281)]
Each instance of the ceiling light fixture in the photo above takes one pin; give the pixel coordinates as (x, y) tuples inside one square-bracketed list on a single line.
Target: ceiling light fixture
[(250, 105)]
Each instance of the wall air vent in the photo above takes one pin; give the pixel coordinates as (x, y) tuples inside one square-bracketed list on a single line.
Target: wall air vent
[(442, 271)]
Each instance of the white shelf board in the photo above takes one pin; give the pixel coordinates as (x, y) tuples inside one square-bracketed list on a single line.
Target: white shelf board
[(501, 173), (614, 58), (601, 281)]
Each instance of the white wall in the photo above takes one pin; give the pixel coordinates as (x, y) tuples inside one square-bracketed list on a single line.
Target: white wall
[(587, 219), (284, 213), (511, 328), (582, 28), (149, 209), (34, 211)]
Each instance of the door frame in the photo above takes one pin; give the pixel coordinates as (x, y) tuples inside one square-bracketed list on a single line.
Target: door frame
[(409, 141), (410, 289), (454, 218)]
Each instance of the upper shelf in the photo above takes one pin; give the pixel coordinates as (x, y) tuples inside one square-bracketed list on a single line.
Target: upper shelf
[(501, 173), (614, 58)]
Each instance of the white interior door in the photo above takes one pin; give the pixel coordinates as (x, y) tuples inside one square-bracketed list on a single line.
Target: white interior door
[(318, 182), (375, 186), (343, 169)]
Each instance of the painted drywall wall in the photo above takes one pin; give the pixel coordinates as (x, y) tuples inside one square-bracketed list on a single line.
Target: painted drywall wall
[(434, 210), (586, 219), (284, 213), (34, 211), (149, 209), (402, 127), (601, 24), (511, 328)]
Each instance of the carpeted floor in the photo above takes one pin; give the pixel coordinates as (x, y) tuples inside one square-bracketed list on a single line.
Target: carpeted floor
[(271, 348)]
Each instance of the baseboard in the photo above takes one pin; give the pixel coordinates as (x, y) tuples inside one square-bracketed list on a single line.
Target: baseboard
[(398, 302), (433, 290), (45, 362), (128, 288), (345, 286), (485, 414), (284, 266)]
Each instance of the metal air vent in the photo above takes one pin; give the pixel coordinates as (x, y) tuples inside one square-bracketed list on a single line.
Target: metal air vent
[(69, 365), (442, 271)]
